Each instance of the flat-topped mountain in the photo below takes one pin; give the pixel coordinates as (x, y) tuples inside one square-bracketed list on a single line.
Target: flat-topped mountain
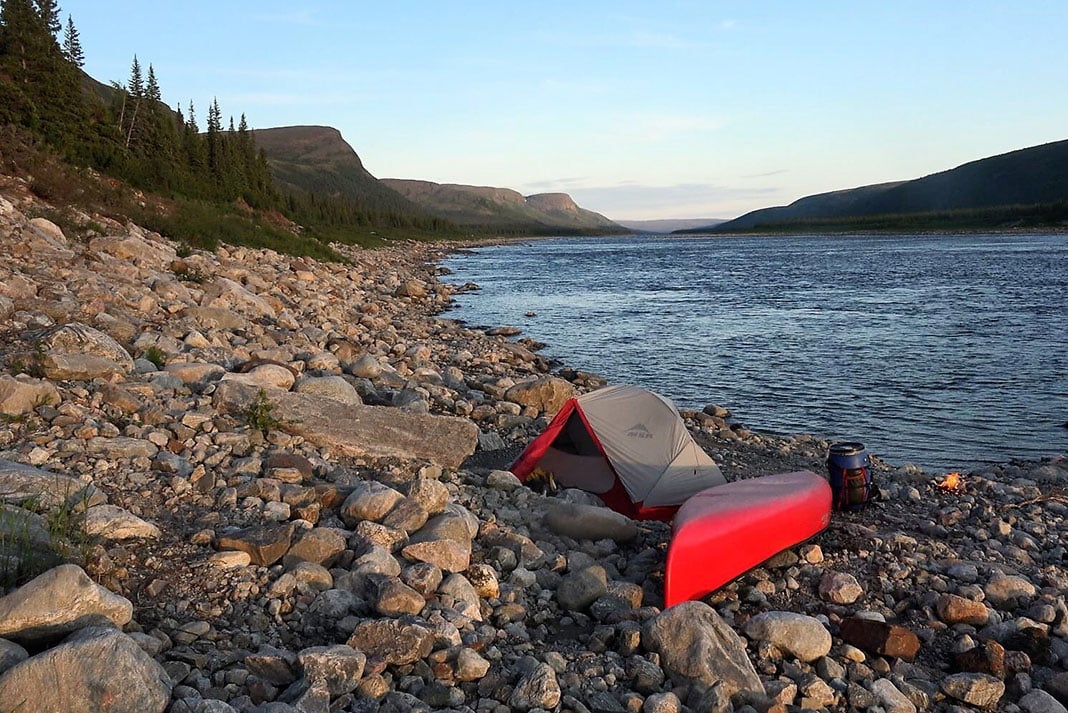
[(1036, 176), (503, 208), (317, 160)]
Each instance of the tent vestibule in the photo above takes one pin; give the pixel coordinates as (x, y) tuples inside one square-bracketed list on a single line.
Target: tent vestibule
[(626, 444)]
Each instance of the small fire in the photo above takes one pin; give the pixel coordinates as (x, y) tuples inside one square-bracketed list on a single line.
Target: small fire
[(952, 482)]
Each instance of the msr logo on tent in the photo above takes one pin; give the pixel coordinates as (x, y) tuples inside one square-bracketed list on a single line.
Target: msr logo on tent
[(639, 430)]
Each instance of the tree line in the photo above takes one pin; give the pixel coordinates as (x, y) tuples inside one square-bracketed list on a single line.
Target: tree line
[(126, 130)]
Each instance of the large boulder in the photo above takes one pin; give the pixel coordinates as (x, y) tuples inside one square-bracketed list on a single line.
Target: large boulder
[(77, 338), (331, 387), (227, 294), (136, 249), (695, 644), (22, 394), (79, 367), (20, 482), (60, 601), (358, 431), (547, 394), (395, 641), (111, 522), (589, 522), (97, 670)]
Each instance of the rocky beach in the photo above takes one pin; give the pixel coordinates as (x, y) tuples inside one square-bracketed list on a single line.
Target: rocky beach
[(242, 481)]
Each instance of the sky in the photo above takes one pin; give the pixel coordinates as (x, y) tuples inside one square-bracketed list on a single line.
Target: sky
[(638, 110)]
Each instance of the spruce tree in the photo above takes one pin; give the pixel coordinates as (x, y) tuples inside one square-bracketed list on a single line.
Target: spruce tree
[(49, 13), (136, 85), (39, 89), (215, 139), (72, 45), (24, 39), (151, 87)]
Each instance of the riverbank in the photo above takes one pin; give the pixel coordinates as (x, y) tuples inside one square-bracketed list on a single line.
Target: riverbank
[(289, 476)]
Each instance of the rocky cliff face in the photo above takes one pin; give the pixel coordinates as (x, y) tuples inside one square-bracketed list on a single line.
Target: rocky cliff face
[(553, 202)]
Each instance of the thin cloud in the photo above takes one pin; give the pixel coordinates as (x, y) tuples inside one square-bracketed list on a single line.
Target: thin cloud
[(769, 173)]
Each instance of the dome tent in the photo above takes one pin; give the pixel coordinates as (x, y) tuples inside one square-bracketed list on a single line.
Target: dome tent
[(627, 445)]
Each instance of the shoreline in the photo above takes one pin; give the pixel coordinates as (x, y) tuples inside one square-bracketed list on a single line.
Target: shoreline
[(291, 466)]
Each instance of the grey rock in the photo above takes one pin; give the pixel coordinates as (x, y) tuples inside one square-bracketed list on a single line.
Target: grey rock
[(547, 394), (589, 522), (330, 387), (447, 555), (111, 522), (76, 338), (60, 601), (395, 641), (352, 430), (1003, 590), (1038, 701), (840, 588), (977, 689), (890, 698), (336, 668), (95, 670), (797, 635), (536, 689), (695, 644), (369, 500), (22, 394), (578, 590), (11, 654), (19, 482)]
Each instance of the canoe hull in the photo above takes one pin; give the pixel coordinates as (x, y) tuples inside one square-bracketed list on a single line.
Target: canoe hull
[(725, 531)]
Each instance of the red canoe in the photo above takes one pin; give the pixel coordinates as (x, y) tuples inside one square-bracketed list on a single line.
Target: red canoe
[(725, 531)]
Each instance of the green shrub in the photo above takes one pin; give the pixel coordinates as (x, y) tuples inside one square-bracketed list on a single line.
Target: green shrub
[(155, 355), (23, 555), (260, 413)]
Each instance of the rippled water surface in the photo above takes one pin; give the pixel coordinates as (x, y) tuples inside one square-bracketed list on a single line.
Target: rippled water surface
[(946, 351)]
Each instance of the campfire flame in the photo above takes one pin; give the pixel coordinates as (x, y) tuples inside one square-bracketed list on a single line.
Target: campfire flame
[(952, 482)]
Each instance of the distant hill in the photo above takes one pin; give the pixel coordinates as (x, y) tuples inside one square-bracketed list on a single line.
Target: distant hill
[(1036, 176), (317, 160), (670, 225), (504, 209)]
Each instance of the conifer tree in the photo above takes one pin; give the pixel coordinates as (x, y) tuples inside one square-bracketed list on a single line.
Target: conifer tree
[(23, 38), (151, 87), (215, 139), (72, 45), (49, 13), (39, 89), (136, 85)]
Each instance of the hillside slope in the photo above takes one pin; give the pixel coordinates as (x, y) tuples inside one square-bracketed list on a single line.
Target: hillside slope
[(317, 160), (1036, 175), (503, 208)]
